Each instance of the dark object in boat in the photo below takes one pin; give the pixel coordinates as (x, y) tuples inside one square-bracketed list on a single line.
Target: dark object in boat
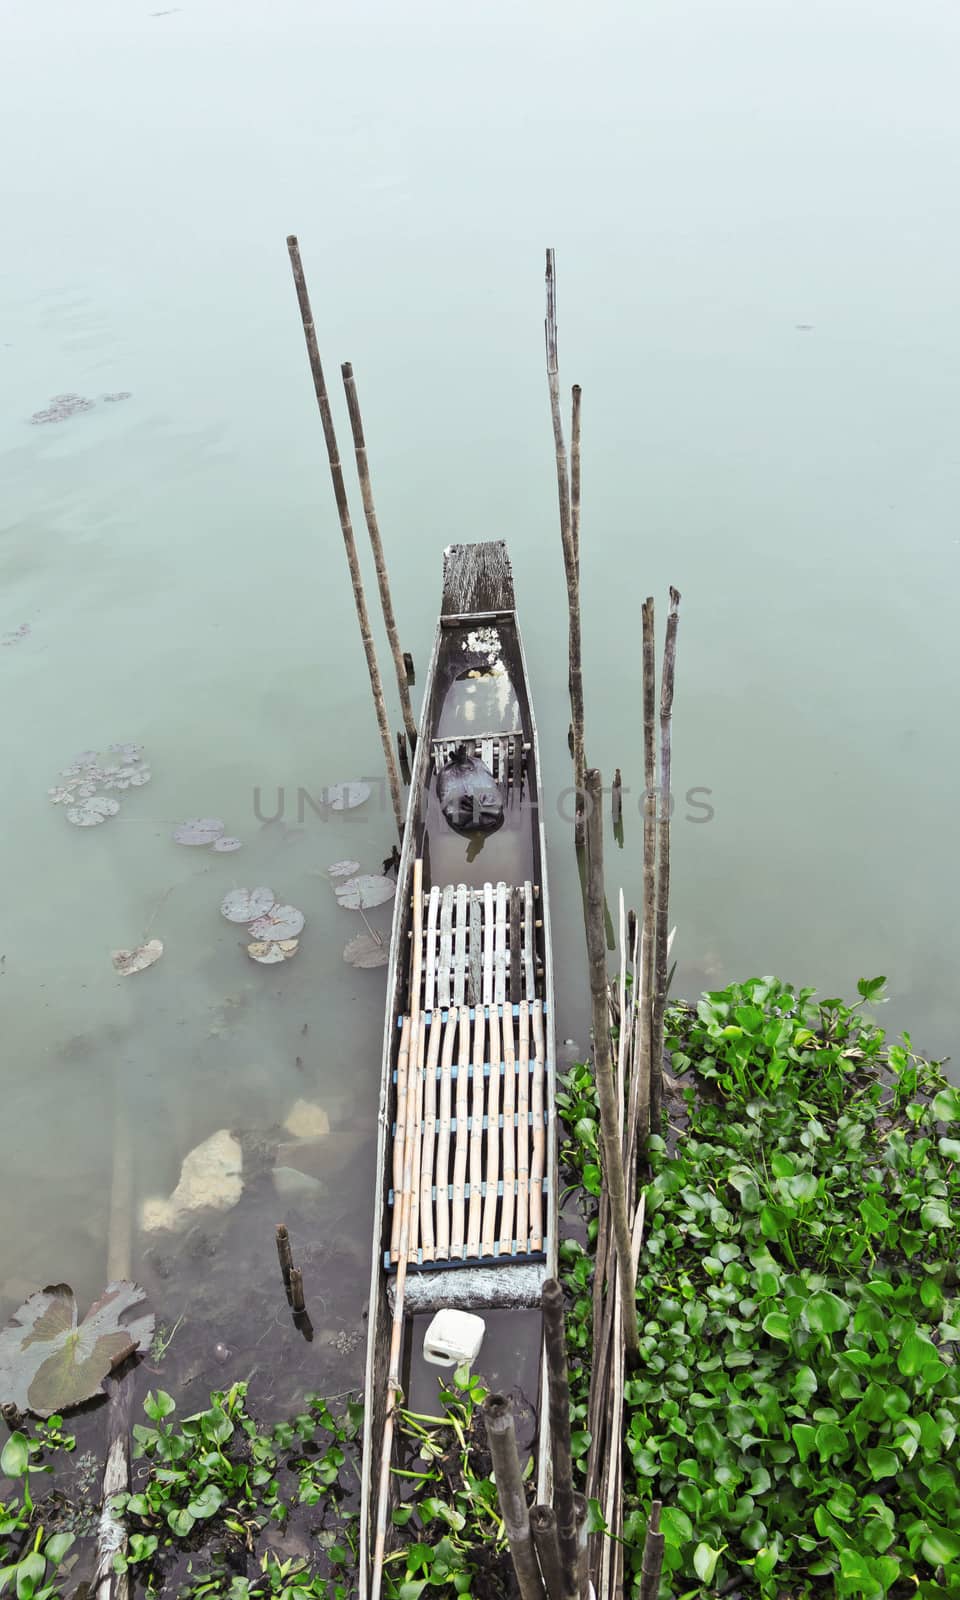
[(391, 863), (469, 797)]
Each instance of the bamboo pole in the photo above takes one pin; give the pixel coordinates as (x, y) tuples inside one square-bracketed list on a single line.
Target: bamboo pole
[(475, 1211), (457, 1239), (400, 1283), (414, 1202), (509, 1125), (376, 545), (583, 1574), (399, 1138), (346, 527), (648, 914), (575, 473), (603, 1062), (558, 1399), (429, 1141), (539, 1135), (652, 1556), (285, 1256), (523, 1130), (543, 1526), (663, 862), (571, 557), (488, 1235), (502, 1442), (111, 1528), (443, 1138)]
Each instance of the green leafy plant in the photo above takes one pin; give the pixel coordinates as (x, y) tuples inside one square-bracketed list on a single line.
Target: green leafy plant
[(49, 1360), (797, 1403)]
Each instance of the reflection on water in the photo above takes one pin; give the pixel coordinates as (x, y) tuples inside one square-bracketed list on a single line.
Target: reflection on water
[(171, 571)]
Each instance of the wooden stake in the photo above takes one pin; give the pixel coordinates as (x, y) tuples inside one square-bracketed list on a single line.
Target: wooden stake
[(543, 1526), (663, 863), (346, 527), (648, 911), (376, 545), (502, 1442), (575, 474), (297, 1302), (558, 1391), (583, 1575), (603, 1062), (652, 1556), (571, 558), (286, 1257)]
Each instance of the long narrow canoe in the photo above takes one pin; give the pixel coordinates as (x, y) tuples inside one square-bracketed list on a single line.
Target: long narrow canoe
[(466, 1163)]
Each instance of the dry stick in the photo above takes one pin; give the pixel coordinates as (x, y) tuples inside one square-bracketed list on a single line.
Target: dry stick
[(346, 527), (575, 473), (543, 1526), (400, 1282), (648, 915), (502, 1442), (297, 1302), (571, 557), (111, 1529), (558, 1394), (603, 1062), (663, 863), (376, 545), (652, 1556)]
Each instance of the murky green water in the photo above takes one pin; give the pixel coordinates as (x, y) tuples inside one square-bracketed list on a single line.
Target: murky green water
[(752, 210)]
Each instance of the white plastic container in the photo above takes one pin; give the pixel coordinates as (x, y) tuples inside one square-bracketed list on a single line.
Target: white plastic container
[(453, 1337)]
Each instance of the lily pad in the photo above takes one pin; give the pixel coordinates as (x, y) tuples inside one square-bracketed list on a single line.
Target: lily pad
[(360, 893), (226, 843), (365, 951), (344, 796), (48, 1362), (198, 830), (269, 951), (129, 754), (344, 869), (91, 812), (244, 905), (280, 922), (130, 961)]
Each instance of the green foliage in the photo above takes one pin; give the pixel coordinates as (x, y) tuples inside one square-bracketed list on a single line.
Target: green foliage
[(28, 1560), (797, 1404)]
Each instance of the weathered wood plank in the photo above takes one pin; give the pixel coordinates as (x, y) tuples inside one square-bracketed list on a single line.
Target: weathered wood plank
[(489, 1230), (460, 946), (529, 942), (430, 961), (523, 1129), (446, 948), (539, 1130), (509, 1132), (477, 577), (500, 947)]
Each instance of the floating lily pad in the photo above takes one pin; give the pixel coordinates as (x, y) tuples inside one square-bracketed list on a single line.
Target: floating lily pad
[(128, 753), (344, 796), (48, 1362), (280, 922), (198, 830), (365, 951), (269, 951), (59, 795), (244, 905), (130, 961), (359, 894), (344, 869), (225, 844), (91, 812)]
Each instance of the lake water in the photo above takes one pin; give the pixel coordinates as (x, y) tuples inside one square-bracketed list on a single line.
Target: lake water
[(757, 246)]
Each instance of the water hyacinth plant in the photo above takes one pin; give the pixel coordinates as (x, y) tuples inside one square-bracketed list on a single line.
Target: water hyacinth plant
[(797, 1403)]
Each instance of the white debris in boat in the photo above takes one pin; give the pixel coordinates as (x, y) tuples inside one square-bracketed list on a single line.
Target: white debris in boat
[(210, 1180), (475, 1288), (307, 1120), (485, 642)]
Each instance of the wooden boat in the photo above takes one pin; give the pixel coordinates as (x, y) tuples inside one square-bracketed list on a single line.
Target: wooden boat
[(466, 1212)]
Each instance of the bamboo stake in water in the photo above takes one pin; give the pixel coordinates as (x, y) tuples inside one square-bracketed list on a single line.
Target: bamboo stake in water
[(502, 1442), (558, 1394), (575, 474), (652, 1556), (603, 1063), (663, 862), (543, 1526), (648, 914), (346, 527), (376, 544), (571, 557)]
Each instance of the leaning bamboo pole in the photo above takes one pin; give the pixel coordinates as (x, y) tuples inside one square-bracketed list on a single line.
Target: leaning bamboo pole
[(571, 554), (663, 861), (376, 545), (603, 1064), (575, 473), (346, 527), (648, 912), (400, 1283)]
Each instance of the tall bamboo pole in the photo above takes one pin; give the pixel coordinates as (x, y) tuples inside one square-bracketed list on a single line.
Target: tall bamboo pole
[(575, 473), (112, 1529), (648, 920), (603, 1064), (558, 1399), (571, 557), (376, 545), (663, 861), (346, 527)]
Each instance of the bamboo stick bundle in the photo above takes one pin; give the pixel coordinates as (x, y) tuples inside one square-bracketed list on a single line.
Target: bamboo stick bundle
[(346, 528), (429, 1140), (489, 1230), (507, 1210), (399, 1138), (539, 1140), (663, 861), (523, 1130), (396, 1332), (457, 1240), (571, 559), (475, 1209), (376, 545), (443, 1138), (603, 1064)]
